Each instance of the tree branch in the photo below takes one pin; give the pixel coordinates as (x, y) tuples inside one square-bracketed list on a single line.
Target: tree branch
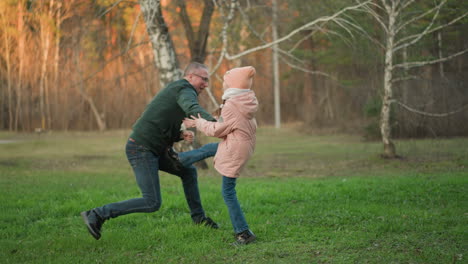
[(376, 16), (419, 36), (227, 20), (365, 34), (287, 53), (434, 29), (299, 41), (110, 8), (429, 114), (307, 70), (402, 26), (414, 64), (405, 5), (405, 78), (133, 31), (90, 76), (294, 32)]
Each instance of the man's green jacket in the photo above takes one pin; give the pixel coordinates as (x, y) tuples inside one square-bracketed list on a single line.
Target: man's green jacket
[(159, 125)]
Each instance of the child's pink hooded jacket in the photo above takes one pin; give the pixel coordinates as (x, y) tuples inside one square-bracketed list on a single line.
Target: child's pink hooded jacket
[(236, 126)]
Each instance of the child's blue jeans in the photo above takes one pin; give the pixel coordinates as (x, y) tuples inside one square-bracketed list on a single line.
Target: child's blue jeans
[(235, 212)]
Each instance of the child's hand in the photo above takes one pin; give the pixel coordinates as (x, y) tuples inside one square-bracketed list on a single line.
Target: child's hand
[(196, 118), (188, 123), (191, 122)]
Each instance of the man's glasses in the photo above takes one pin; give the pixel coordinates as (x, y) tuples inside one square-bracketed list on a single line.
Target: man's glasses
[(205, 79)]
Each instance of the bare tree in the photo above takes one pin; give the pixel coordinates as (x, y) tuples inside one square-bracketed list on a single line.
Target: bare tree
[(390, 16)]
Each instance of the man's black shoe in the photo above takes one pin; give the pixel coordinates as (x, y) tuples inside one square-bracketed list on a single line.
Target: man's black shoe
[(93, 222), (208, 222), (245, 237)]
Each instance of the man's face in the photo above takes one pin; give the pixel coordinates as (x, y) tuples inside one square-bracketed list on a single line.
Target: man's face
[(199, 79)]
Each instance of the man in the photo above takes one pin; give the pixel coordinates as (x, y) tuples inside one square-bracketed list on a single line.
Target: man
[(153, 134)]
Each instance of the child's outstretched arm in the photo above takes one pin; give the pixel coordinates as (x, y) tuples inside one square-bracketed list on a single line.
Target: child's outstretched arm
[(212, 129)]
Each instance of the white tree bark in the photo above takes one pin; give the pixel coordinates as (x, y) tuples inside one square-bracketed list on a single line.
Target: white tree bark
[(385, 129), (163, 48)]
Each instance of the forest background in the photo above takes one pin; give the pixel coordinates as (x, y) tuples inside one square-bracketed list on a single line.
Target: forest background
[(89, 65)]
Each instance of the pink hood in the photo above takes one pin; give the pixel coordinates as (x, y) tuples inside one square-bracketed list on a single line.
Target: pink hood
[(239, 77)]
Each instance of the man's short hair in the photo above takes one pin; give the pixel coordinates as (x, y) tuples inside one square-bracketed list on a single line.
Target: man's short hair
[(194, 66)]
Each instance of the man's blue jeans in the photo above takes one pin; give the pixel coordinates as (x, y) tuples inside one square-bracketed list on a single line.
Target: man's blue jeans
[(235, 212), (145, 166)]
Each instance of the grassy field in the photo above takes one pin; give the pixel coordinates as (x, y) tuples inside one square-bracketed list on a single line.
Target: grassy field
[(308, 198)]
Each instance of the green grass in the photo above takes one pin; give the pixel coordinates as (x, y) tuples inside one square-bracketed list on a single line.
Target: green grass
[(309, 199)]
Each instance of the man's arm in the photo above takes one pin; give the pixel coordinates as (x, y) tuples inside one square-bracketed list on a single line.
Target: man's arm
[(188, 101)]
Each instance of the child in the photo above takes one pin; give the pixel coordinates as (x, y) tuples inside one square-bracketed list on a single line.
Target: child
[(236, 127)]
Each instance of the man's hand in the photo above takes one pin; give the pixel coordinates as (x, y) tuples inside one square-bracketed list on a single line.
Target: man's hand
[(188, 135)]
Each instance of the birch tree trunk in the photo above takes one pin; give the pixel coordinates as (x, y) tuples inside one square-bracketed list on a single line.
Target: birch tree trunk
[(163, 48), (385, 128)]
